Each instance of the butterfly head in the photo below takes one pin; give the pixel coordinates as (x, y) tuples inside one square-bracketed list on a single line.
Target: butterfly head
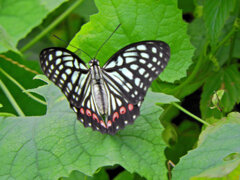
[(94, 62)]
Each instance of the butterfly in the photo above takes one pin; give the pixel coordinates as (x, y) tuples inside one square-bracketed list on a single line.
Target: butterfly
[(106, 98)]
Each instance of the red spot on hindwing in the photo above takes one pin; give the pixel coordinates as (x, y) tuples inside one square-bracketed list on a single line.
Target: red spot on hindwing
[(122, 110), (130, 107), (109, 123), (95, 117), (82, 111), (115, 115), (88, 112)]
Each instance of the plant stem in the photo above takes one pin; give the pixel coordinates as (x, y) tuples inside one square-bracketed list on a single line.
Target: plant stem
[(22, 88), (11, 99), (190, 114), (226, 38), (51, 26)]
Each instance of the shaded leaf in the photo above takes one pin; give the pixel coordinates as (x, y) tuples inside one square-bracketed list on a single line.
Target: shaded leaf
[(76, 175), (53, 145), (227, 79), (23, 72), (140, 20), (215, 14), (216, 144), (18, 18)]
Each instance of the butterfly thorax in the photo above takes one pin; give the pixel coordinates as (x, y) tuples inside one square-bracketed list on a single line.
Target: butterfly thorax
[(98, 87)]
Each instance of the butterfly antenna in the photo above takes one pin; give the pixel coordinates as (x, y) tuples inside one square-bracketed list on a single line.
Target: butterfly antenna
[(71, 45), (106, 41)]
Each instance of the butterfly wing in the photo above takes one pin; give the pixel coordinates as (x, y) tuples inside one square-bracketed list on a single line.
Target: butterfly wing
[(67, 71), (128, 74), (121, 111), (132, 69)]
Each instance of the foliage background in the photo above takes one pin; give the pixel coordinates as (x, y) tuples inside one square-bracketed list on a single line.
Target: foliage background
[(40, 138)]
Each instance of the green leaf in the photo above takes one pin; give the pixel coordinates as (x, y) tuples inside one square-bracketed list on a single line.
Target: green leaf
[(18, 18), (197, 33), (227, 79), (140, 20), (53, 145), (186, 138), (22, 72), (214, 155), (76, 175), (236, 52), (86, 9), (186, 5), (215, 14), (124, 175), (6, 41)]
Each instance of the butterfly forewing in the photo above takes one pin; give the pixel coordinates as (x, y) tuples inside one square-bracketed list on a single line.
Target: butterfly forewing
[(67, 71), (132, 69)]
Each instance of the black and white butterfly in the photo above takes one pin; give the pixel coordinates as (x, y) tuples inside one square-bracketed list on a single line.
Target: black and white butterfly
[(107, 98)]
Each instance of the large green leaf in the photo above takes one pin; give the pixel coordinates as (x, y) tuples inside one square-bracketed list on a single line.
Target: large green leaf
[(18, 18), (217, 153), (22, 72), (140, 20), (227, 79), (51, 146), (215, 14)]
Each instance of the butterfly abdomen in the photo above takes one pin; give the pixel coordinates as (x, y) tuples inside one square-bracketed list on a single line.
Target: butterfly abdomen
[(99, 90)]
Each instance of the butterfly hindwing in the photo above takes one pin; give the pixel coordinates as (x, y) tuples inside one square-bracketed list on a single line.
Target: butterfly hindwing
[(67, 71), (133, 68), (121, 112)]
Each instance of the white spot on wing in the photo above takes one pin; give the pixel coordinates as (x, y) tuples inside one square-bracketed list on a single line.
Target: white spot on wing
[(142, 61), (127, 54), (113, 102), (61, 67), (134, 66), (131, 49), (149, 65), (70, 64), (82, 66), (111, 64), (69, 86), (137, 81), (161, 55), (154, 50), (141, 47), (127, 73), (76, 64), (64, 76), (130, 59), (141, 71), (154, 59), (145, 55), (74, 109), (75, 76), (119, 61), (58, 53), (50, 57), (68, 71), (67, 58), (58, 61), (119, 102), (146, 75)]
